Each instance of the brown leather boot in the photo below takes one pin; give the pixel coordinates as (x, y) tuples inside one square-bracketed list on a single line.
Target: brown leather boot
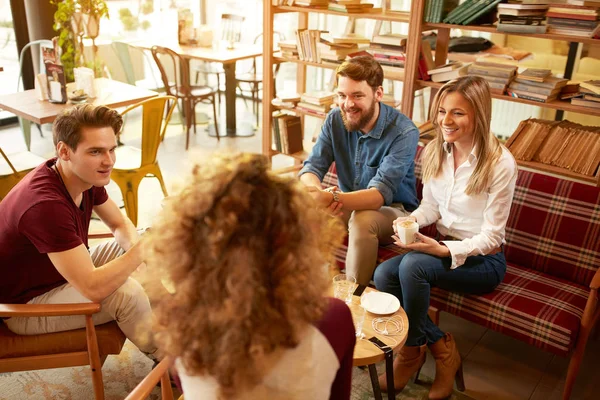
[(448, 367), (407, 362)]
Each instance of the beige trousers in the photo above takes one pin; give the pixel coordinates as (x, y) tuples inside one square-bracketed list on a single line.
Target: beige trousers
[(128, 305), (367, 229)]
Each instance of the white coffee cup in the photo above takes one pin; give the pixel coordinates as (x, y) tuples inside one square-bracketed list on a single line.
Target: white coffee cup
[(406, 231)]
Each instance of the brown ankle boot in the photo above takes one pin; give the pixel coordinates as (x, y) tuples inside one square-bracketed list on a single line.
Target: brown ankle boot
[(407, 362), (448, 366)]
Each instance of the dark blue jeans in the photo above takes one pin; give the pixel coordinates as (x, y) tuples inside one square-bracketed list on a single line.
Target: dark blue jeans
[(410, 277)]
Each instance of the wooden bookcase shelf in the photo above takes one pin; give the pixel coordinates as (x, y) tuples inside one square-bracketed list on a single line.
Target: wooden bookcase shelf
[(492, 29), (409, 76), (393, 16), (555, 104), (394, 76), (301, 112)]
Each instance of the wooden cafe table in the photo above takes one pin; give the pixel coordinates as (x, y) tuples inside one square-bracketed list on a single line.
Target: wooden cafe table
[(111, 93), (367, 353), (222, 55)]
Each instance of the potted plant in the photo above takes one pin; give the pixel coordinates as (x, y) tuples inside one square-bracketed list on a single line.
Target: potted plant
[(67, 38)]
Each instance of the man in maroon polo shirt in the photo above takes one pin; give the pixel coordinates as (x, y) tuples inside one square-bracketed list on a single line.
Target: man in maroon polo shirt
[(44, 220)]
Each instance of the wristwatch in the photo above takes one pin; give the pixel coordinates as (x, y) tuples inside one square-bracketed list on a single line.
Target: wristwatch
[(336, 193)]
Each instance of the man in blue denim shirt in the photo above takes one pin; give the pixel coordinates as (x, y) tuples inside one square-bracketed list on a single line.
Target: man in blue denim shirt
[(373, 146)]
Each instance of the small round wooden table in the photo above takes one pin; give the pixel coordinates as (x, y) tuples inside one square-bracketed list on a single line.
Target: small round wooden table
[(367, 353)]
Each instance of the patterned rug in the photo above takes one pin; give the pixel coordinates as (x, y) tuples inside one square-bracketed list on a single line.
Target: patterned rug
[(123, 372)]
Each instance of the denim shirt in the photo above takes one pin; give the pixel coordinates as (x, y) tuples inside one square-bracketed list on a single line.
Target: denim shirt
[(383, 158)]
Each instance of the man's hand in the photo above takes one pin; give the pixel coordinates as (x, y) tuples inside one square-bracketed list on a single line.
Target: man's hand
[(322, 198), (424, 244)]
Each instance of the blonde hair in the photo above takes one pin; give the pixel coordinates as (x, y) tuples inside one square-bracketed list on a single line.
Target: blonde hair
[(246, 254), (476, 91)]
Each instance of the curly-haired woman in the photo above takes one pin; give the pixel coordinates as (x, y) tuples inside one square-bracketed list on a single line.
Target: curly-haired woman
[(246, 255), (469, 182)]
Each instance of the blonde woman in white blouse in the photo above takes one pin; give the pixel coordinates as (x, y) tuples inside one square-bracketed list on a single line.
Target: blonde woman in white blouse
[(469, 180)]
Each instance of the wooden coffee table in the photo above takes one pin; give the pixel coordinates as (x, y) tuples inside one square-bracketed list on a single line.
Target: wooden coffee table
[(366, 353)]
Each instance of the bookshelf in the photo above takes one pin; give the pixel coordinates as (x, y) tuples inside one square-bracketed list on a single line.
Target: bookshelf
[(269, 12), (412, 83)]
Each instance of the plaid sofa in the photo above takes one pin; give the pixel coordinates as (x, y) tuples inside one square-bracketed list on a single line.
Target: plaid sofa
[(553, 255)]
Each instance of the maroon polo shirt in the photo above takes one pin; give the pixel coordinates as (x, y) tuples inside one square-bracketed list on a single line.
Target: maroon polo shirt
[(38, 217)]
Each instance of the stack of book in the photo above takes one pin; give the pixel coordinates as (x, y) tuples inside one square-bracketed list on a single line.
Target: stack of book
[(316, 103), (389, 50), (590, 92), (470, 11), (289, 49), (437, 10), (569, 91), (522, 18), (335, 52), (447, 72), (426, 62), (566, 19), (287, 133), (536, 85), (562, 144), (498, 76), (323, 4), (350, 6), (288, 101)]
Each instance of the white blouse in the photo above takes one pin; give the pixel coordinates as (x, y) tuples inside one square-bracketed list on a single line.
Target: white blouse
[(478, 220)]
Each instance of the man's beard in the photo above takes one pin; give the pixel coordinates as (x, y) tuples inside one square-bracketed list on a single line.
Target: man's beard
[(362, 122)]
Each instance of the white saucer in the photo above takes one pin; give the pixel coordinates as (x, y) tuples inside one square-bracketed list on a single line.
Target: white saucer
[(380, 303)]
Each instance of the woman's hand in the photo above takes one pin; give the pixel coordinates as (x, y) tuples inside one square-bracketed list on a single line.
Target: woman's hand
[(401, 219), (424, 244)]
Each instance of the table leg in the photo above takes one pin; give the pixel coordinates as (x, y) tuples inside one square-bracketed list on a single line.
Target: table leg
[(389, 375), (230, 95), (375, 382)]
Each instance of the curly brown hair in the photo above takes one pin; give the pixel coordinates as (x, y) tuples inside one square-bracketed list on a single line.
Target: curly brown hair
[(246, 252)]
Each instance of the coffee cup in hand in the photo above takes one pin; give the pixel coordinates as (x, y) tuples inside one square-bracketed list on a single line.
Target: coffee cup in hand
[(406, 231)]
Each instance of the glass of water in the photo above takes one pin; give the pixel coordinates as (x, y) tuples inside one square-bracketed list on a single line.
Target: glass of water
[(343, 287)]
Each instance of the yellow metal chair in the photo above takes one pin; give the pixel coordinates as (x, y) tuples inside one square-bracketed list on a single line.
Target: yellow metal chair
[(13, 170), (135, 164), (159, 374)]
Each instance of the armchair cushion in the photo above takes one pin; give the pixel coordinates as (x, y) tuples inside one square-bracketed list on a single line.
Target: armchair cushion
[(110, 341)]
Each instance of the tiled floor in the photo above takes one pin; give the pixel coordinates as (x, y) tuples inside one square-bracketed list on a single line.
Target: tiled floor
[(495, 366)]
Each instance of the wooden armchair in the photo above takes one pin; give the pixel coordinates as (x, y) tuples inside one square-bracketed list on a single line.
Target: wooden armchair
[(88, 346), (159, 373)]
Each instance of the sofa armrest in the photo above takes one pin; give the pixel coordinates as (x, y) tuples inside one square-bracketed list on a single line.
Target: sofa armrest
[(48, 310), (595, 284)]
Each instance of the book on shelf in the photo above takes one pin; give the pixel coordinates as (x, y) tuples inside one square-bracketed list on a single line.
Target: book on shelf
[(505, 80), (322, 108), (518, 6), (549, 82), (351, 38), (520, 94), (445, 68), (318, 97), (386, 49), (506, 52), (437, 10), (592, 97), (486, 68), (392, 39), (563, 144), (512, 28), (320, 4), (489, 7), (535, 74), (571, 31), (534, 89), (592, 85), (354, 8), (287, 133), (583, 102), (573, 23), (359, 53), (449, 75), (536, 21)]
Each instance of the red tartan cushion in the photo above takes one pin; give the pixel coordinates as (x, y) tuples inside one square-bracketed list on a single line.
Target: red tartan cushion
[(553, 227), (531, 306)]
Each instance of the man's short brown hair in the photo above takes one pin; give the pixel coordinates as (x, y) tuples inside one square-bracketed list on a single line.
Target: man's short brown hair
[(67, 127), (362, 68)]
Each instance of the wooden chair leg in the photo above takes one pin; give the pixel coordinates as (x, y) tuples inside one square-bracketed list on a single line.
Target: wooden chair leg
[(188, 121), (216, 119), (94, 356)]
